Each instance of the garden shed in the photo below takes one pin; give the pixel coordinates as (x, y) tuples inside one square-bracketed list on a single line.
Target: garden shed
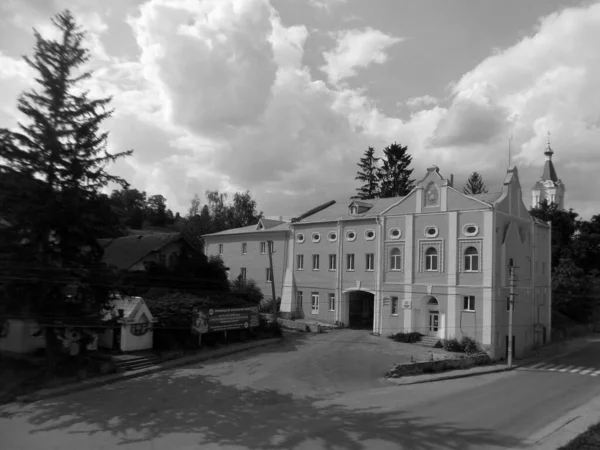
[(133, 328)]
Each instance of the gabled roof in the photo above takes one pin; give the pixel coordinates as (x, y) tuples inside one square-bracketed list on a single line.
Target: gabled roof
[(268, 223), (124, 252), (340, 211), (252, 229), (130, 306), (488, 198)]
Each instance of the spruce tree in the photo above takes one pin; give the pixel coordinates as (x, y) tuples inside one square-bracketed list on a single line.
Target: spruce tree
[(475, 185), (57, 162), (394, 175), (368, 175)]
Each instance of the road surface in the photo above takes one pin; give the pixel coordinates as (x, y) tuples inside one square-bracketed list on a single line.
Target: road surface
[(235, 403)]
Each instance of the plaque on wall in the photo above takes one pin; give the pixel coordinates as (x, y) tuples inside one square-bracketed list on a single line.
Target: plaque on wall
[(406, 304)]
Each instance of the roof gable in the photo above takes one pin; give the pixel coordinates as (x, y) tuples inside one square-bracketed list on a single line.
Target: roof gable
[(124, 252)]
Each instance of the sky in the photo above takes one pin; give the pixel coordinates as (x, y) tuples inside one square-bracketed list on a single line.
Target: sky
[(282, 97)]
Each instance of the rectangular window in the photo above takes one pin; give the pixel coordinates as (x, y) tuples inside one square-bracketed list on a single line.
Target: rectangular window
[(263, 248), (269, 275), (244, 248), (220, 249), (331, 302), (314, 303), (315, 261), (469, 303), (300, 262), (243, 273), (350, 261), (431, 259), (271, 247), (332, 262), (395, 259), (370, 263), (299, 300), (394, 306)]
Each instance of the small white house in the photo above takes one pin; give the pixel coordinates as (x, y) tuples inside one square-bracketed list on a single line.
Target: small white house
[(135, 331)]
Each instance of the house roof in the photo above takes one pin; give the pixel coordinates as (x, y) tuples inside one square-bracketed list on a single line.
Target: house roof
[(130, 306), (341, 211), (270, 223), (252, 229), (124, 252), (488, 198)]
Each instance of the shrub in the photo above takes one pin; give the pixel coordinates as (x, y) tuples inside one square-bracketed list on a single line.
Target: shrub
[(408, 338), (452, 345), (266, 306), (469, 345)]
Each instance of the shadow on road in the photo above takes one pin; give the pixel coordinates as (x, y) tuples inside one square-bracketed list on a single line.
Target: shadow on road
[(149, 408)]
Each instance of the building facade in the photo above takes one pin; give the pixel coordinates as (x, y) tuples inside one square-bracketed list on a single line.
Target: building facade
[(435, 261)]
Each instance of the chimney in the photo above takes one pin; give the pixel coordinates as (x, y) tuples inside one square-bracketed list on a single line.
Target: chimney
[(451, 180)]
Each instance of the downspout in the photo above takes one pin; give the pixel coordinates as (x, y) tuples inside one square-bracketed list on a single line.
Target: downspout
[(378, 296), (341, 300)]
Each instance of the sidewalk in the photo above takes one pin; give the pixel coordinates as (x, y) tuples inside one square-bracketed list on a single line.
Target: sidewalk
[(172, 364)]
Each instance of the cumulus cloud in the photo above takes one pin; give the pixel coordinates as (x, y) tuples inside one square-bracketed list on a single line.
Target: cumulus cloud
[(356, 49), (326, 5), (422, 102)]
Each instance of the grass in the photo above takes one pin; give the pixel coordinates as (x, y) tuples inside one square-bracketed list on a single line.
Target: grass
[(589, 440)]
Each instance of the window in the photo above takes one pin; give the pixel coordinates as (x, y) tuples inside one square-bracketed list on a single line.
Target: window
[(244, 248), (469, 303), (332, 236), (395, 259), (431, 231), (331, 302), (300, 262), (394, 306), (269, 275), (315, 260), (350, 261), (316, 237), (314, 303), (263, 248), (431, 259), (271, 248), (220, 249), (300, 238), (470, 229), (395, 233), (332, 262), (369, 235), (353, 209), (370, 262), (471, 260), (162, 259), (350, 235), (243, 273), (299, 300)]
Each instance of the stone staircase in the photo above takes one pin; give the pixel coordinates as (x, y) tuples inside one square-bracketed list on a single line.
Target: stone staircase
[(428, 341), (135, 362)]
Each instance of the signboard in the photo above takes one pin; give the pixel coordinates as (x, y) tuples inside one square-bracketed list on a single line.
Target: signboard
[(223, 319), (406, 304)]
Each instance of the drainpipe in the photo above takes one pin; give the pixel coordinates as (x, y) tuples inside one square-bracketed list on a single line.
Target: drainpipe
[(378, 294), (340, 300)]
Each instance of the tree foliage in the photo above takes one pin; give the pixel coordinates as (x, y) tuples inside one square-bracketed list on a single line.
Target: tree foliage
[(368, 175), (247, 289), (394, 174), (475, 185)]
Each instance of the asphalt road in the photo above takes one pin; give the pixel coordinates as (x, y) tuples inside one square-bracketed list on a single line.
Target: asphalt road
[(234, 404)]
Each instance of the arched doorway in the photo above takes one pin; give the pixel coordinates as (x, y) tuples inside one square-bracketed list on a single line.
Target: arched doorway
[(433, 317), (361, 309)]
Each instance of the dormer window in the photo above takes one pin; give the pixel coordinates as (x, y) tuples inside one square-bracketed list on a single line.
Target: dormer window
[(354, 210), (359, 207)]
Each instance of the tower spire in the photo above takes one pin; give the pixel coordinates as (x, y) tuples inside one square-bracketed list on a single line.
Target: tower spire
[(549, 152)]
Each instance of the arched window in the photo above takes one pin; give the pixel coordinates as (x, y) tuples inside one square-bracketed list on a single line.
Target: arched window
[(471, 260), (431, 259), (395, 259)]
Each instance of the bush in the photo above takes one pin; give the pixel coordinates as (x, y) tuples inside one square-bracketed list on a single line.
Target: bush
[(469, 345), (408, 338), (452, 345), (266, 306)]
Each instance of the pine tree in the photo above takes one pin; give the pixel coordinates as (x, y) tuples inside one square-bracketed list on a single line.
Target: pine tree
[(475, 185), (60, 156), (394, 175), (368, 175)]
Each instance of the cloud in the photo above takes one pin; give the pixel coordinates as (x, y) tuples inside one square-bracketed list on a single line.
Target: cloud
[(356, 49), (326, 5), (422, 102)]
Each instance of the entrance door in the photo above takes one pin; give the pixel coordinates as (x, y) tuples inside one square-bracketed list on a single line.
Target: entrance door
[(434, 323)]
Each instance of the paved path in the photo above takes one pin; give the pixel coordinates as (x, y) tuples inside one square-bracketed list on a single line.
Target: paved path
[(252, 402)]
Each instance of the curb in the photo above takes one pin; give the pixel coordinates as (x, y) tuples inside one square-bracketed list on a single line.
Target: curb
[(115, 378)]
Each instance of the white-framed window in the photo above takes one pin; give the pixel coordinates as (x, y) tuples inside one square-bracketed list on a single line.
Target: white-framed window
[(221, 249), (333, 262), (470, 230), (469, 303), (471, 260), (394, 306), (332, 236), (244, 248), (243, 273), (299, 300), (331, 302), (350, 235), (370, 261), (300, 262), (369, 235), (314, 303), (300, 238), (395, 233), (263, 248), (431, 231), (316, 237), (315, 262), (353, 210), (431, 259), (269, 276), (395, 259), (350, 261)]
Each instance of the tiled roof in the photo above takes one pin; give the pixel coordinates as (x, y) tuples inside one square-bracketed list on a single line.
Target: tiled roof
[(488, 198), (340, 210), (251, 229), (124, 252)]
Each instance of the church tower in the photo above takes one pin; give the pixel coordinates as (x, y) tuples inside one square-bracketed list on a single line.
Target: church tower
[(549, 187)]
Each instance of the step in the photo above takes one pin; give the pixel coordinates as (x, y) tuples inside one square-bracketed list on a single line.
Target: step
[(137, 362), (139, 366)]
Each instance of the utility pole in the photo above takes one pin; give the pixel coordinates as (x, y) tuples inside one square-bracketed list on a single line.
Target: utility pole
[(270, 246), (511, 304)]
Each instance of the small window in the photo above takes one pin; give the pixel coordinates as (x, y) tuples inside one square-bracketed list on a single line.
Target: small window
[(395, 259), (316, 237), (395, 233), (299, 300), (220, 249), (394, 306), (369, 235), (469, 303), (243, 273), (263, 248), (350, 261), (315, 262), (431, 259), (314, 306), (350, 235), (332, 236), (331, 302), (269, 275), (470, 229), (244, 248), (471, 260), (353, 210), (431, 231), (370, 262), (300, 262), (332, 262), (300, 238)]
